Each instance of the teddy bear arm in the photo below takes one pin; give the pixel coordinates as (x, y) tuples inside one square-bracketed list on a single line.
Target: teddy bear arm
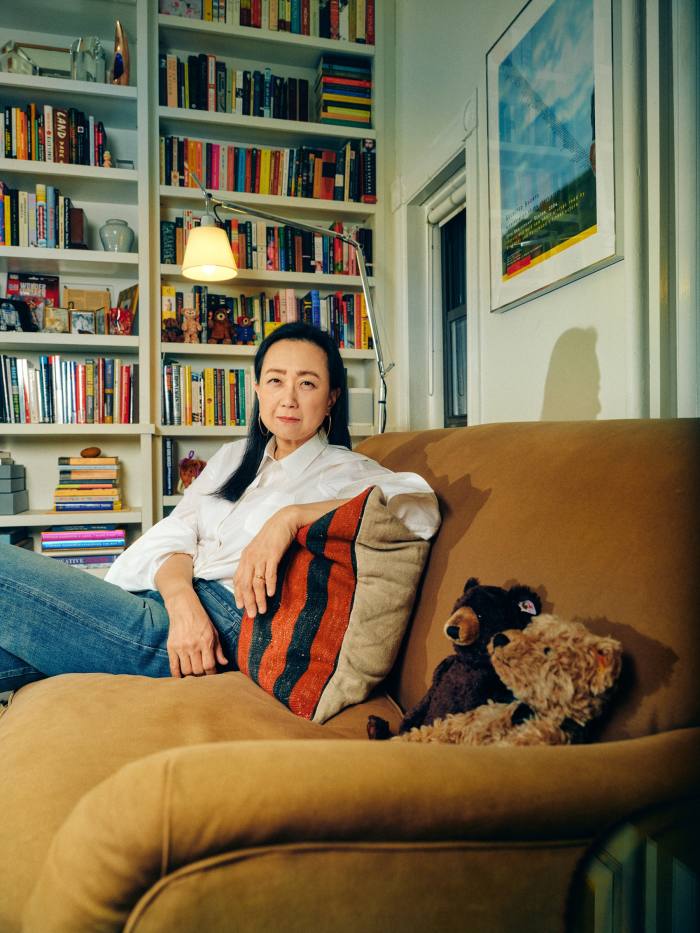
[(417, 715)]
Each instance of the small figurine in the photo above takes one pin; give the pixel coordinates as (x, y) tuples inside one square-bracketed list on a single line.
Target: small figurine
[(245, 332), (9, 316), (120, 64), (107, 159), (190, 468)]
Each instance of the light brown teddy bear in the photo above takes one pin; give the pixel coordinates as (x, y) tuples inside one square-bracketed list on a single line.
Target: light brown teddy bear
[(191, 327), (560, 675)]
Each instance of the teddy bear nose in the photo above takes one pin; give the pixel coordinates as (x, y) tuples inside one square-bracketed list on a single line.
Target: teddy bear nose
[(452, 631), (500, 640)]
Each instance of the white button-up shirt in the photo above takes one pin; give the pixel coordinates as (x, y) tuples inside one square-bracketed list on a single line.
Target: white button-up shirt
[(214, 532)]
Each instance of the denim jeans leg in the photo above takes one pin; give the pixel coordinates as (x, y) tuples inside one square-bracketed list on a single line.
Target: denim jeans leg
[(221, 609), (58, 619)]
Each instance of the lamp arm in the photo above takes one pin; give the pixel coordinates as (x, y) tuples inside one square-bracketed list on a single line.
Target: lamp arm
[(331, 235)]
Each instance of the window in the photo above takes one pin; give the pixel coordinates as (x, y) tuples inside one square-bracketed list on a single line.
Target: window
[(454, 318)]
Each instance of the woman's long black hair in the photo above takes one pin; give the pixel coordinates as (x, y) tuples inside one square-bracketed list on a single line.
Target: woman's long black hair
[(243, 476)]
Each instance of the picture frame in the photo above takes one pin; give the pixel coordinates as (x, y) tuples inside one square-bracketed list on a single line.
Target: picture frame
[(76, 298), (56, 320), (82, 322), (129, 299), (101, 321), (552, 149)]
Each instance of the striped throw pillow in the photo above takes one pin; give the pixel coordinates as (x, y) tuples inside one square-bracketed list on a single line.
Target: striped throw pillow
[(344, 596)]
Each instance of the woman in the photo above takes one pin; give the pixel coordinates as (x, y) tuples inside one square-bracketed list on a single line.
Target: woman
[(172, 603)]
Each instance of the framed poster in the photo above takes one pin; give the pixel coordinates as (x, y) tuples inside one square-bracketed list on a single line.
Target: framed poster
[(551, 157)]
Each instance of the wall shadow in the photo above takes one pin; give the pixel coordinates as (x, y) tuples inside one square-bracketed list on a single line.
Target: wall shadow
[(572, 386)]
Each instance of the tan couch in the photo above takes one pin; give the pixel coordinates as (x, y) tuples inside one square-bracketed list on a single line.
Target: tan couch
[(204, 805)]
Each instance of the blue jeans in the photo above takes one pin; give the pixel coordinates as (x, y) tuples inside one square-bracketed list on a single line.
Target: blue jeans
[(57, 619)]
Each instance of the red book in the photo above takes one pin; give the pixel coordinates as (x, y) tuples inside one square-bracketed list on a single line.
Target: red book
[(80, 393), (248, 165), (61, 135), (369, 21), (305, 18), (330, 82), (335, 19), (125, 392)]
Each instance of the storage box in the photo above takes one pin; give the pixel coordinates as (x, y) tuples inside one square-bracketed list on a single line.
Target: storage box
[(12, 485), (361, 406), (13, 502), (13, 535), (11, 471)]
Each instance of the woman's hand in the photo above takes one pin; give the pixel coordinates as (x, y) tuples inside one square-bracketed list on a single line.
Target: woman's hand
[(256, 576), (193, 641)]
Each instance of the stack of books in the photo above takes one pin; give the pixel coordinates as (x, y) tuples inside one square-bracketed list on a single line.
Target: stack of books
[(344, 91), (88, 484), (90, 547)]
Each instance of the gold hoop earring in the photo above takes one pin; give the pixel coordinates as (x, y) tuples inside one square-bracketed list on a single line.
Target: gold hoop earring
[(263, 430)]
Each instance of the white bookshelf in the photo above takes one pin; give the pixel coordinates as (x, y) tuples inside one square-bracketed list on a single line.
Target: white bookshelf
[(134, 120), (288, 55), (120, 191)]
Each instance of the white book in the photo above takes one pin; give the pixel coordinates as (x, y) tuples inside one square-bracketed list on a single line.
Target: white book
[(23, 220), (265, 17), (91, 133), (33, 386), (344, 22), (315, 18), (262, 246), (31, 216), (239, 90), (21, 363), (48, 132)]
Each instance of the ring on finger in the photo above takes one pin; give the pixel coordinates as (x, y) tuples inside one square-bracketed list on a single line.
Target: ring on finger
[(259, 576)]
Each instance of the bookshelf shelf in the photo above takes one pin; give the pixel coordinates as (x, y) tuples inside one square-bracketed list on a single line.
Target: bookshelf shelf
[(113, 104), (239, 350), (172, 197), (263, 130), (200, 430), (284, 48), (83, 262), (36, 518), (57, 343), (290, 279), (86, 182), (66, 430)]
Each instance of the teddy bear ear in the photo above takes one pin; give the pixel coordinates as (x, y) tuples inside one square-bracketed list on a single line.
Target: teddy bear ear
[(472, 581), (525, 600)]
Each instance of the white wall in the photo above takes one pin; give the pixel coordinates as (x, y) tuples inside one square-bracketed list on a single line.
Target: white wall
[(582, 351)]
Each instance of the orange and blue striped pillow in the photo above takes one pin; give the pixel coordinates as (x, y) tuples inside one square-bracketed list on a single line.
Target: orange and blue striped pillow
[(345, 591)]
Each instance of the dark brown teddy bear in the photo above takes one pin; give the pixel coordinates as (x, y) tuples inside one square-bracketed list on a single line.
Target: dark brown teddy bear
[(467, 679)]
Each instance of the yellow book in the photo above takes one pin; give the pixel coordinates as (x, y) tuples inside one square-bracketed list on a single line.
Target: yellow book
[(207, 11), (345, 98), (8, 221), (264, 171), (209, 396)]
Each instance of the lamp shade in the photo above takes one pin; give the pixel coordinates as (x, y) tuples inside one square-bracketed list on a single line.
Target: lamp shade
[(208, 255)]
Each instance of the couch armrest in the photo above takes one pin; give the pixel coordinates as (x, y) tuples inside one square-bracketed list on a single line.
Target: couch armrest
[(176, 807)]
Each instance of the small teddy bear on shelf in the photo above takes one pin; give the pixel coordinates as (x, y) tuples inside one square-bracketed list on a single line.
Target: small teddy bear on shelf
[(467, 678), (189, 469), (220, 330), (191, 328), (245, 331), (560, 675)]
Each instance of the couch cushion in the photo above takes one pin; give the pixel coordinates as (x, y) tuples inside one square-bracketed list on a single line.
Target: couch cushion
[(333, 628), (601, 518), (62, 736)]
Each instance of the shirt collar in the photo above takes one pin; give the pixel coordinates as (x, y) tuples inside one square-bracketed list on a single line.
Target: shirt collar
[(295, 464)]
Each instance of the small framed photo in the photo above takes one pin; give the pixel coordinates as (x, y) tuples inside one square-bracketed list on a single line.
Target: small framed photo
[(101, 321), (82, 322), (129, 299), (56, 320)]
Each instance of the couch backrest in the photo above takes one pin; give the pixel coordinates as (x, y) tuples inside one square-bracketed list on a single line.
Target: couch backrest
[(601, 518)]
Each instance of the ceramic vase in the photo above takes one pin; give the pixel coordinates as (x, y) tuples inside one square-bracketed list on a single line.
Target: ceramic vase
[(116, 236)]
